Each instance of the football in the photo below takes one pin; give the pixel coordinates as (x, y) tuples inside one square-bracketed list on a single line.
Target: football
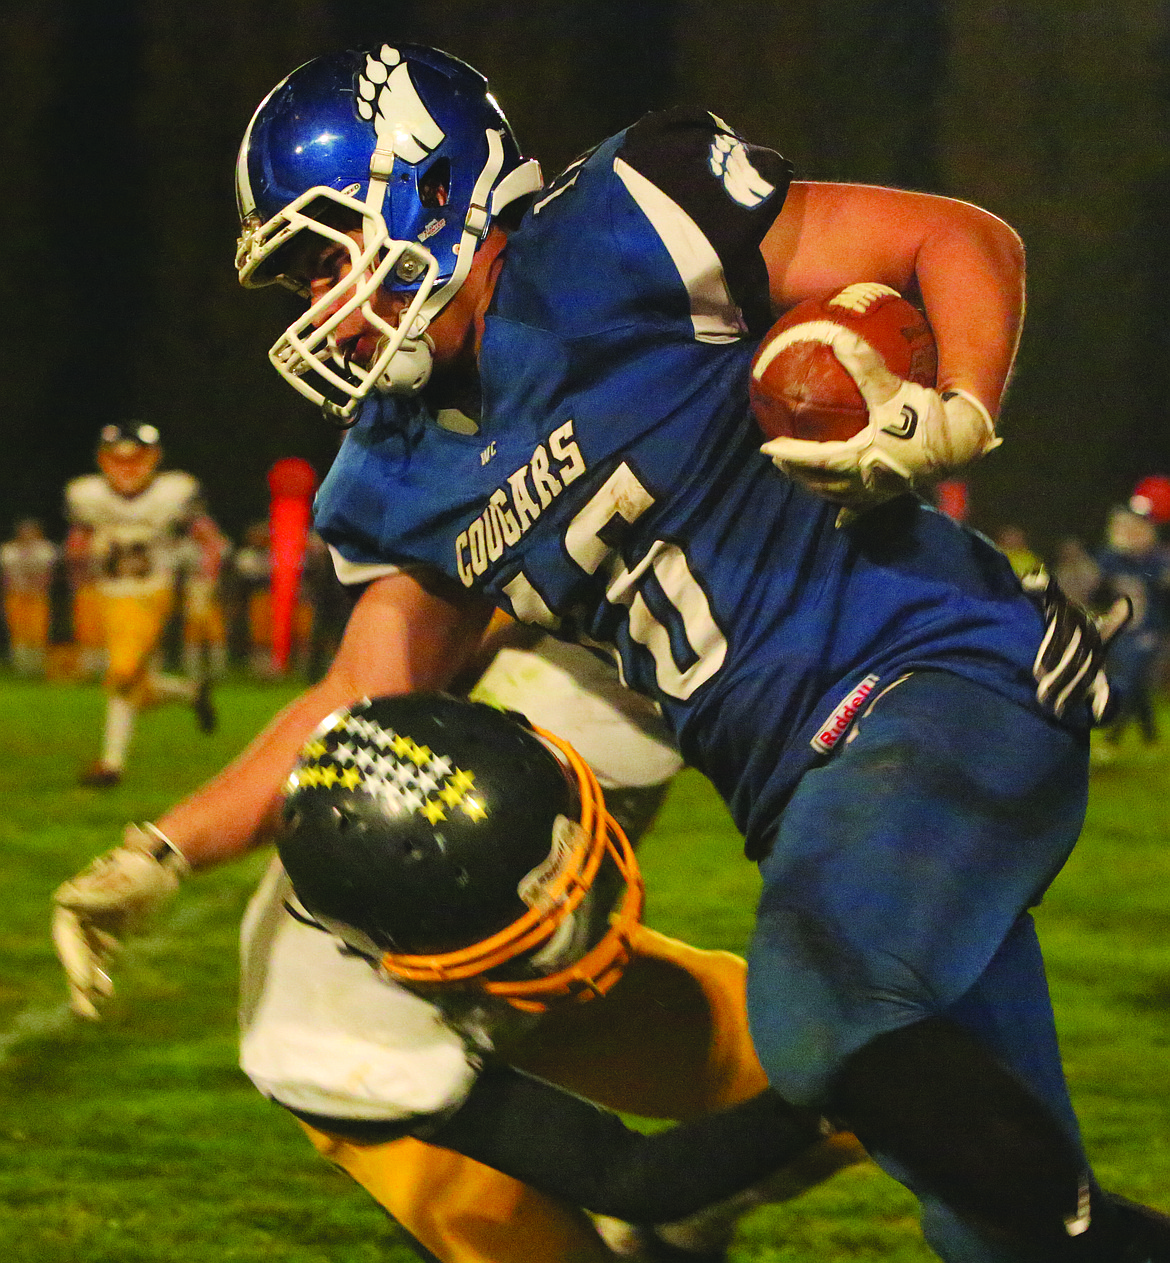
[(799, 389)]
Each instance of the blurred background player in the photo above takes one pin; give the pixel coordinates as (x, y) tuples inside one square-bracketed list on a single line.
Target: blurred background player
[(127, 521), (1075, 570), (27, 562), (205, 647), (1013, 543), (253, 571), (1134, 563), (89, 637)]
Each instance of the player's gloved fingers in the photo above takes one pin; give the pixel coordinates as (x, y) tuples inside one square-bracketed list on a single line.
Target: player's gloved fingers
[(72, 947), (866, 366), (87, 981), (101, 942), (1069, 632), (1039, 664), (1058, 656), (1075, 687), (1100, 695), (82, 1005), (1036, 582), (1114, 619), (884, 474), (838, 455)]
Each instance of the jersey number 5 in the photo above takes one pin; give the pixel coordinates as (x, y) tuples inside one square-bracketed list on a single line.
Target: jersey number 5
[(682, 636)]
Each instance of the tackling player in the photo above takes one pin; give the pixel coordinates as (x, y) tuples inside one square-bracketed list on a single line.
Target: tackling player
[(126, 523), (864, 696), (669, 1040)]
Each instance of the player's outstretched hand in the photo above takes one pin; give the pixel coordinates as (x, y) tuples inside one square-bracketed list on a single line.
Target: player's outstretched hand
[(914, 435), (1070, 664), (108, 899)]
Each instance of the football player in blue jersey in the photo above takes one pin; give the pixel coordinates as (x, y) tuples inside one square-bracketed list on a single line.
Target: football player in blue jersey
[(547, 389)]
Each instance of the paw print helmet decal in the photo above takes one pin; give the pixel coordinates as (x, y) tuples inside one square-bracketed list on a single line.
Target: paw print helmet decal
[(454, 845), (406, 142)]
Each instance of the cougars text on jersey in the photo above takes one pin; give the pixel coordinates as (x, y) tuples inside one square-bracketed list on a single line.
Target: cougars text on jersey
[(512, 508)]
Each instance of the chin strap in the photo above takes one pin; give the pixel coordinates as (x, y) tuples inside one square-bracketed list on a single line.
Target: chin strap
[(476, 223), (587, 843)]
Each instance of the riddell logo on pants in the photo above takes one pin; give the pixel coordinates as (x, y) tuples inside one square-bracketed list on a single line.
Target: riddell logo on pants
[(837, 725)]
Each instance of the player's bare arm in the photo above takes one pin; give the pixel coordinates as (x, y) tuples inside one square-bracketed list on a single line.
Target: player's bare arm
[(965, 264), (78, 543), (210, 540), (402, 636)]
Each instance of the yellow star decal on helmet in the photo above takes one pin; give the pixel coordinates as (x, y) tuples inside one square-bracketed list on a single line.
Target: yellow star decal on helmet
[(433, 810), (473, 807), (462, 780)]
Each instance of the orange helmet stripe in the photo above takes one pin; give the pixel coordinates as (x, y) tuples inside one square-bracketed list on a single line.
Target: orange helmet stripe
[(600, 967)]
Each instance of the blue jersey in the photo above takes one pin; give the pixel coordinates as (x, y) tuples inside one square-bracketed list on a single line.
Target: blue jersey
[(1145, 578), (614, 492)]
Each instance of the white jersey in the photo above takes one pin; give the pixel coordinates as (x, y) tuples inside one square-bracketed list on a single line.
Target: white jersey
[(572, 692), (135, 538), (322, 1032), (28, 565), (200, 568), (253, 565)]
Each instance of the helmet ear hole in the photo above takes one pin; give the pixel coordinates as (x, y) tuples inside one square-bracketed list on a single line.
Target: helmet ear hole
[(434, 185)]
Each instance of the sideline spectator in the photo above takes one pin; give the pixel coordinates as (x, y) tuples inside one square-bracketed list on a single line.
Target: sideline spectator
[(1134, 564), (1013, 543), (27, 562)]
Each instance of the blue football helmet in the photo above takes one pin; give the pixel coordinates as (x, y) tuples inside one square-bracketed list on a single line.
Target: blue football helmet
[(405, 141)]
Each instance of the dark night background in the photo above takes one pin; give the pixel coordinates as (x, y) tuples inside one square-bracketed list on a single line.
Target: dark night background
[(121, 118)]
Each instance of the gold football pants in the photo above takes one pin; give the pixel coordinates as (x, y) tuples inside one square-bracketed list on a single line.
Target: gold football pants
[(134, 626), (669, 1041), (27, 616)]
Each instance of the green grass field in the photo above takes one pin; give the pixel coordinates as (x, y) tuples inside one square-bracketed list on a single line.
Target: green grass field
[(139, 1141)]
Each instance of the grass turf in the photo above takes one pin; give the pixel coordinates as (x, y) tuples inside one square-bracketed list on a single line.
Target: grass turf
[(138, 1140)]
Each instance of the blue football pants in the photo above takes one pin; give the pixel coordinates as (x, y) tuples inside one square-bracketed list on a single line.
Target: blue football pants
[(898, 889)]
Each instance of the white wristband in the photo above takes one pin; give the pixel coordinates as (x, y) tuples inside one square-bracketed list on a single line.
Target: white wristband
[(150, 838)]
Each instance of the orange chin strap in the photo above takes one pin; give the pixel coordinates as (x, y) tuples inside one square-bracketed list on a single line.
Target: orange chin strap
[(592, 974)]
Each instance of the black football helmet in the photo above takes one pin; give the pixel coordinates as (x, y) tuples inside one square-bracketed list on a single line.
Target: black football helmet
[(456, 844)]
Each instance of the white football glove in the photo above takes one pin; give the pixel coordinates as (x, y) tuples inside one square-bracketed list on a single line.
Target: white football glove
[(1070, 664), (914, 435), (108, 899)]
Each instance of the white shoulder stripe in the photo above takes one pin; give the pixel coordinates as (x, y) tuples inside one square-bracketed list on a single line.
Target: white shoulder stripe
[(351, 572), (713, 314)]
